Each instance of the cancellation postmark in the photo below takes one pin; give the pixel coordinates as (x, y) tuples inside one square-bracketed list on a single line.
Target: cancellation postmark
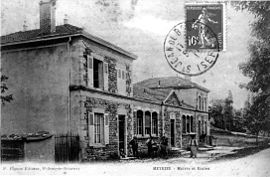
[(192, 47)]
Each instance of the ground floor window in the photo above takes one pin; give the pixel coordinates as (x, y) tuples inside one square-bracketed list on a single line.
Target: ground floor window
[(139, 122), (187, 124), (99, 128), (155, 123), (147, 123), (184, 130)]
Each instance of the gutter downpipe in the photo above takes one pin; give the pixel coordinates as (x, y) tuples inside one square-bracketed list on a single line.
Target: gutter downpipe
[(162, 119), (69, 93)]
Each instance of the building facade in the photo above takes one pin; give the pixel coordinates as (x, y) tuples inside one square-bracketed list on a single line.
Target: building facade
[(74, 97)]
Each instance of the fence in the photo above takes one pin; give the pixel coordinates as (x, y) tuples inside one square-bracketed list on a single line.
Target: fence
[(67, 148), (12, 150)]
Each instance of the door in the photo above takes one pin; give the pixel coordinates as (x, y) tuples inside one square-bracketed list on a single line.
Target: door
[(172, 132), (122, 132)]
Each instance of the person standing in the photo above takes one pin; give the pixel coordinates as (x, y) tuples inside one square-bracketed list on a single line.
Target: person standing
[(149, 144), (134, 146), (164, 146), (193, 146)]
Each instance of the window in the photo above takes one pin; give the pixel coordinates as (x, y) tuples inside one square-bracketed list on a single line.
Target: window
[(99, 128), (188, 124), (106, 68), (154, 123), (147, 123), (200, 103), (139, 122), (199, 127), (191, 124), (119, 74), (205, 127), (184, 130), (205, 103), (123, 74), (98, 74)]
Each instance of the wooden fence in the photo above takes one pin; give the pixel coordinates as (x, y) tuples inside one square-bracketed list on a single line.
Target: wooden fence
[(12, 150), (67, 148)]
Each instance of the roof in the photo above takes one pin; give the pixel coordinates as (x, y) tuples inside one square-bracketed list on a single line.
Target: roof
[(156, 96), (170, 82), (147, 94), (61, 31)]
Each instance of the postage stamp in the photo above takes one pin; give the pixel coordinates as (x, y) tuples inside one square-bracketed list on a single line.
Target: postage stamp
[(192, 47), (206, 29), (188, 62)]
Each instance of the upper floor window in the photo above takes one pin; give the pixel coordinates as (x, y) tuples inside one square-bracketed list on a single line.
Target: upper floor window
[(200, 103), (98, 76)]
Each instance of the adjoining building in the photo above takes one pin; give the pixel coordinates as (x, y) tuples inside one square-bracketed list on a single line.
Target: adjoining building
[(74, 97)]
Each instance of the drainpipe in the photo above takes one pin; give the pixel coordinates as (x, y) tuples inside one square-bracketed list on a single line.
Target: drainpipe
[(162, 118), (69, 93)]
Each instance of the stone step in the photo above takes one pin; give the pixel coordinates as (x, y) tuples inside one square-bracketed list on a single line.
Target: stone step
[(179, 151)]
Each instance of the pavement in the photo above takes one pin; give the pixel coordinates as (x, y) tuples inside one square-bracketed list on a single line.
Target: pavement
[(255, 165)]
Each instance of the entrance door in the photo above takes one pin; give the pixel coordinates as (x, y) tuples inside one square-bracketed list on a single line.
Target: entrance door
[(172, 132), (121, 119)]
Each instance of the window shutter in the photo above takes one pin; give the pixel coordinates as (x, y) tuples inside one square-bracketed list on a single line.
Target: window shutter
[(106, 128), (106, 76), (90, 70), (91, 128)]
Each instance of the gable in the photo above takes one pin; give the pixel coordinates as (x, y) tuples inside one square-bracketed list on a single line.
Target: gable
[(173, 100)]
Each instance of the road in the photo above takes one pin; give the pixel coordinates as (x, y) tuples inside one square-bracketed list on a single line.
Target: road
[(256, 165)]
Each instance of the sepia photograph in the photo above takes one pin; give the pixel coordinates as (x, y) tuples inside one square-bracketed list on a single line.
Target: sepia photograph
[(135, 88)]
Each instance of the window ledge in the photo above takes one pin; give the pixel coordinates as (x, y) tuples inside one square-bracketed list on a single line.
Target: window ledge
[(98, 145)]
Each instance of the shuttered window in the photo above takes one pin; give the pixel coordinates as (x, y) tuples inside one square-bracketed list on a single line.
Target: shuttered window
[(98, 128)]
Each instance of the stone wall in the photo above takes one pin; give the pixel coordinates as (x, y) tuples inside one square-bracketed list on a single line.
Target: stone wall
[(109, 150)]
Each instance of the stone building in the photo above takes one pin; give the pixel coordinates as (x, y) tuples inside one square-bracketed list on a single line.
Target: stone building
[(74, 97)]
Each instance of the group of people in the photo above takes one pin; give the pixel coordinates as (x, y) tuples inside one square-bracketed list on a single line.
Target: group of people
[(152, 146), (162, 148)]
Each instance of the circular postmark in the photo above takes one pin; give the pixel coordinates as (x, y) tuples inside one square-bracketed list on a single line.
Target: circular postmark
[(191, 49)]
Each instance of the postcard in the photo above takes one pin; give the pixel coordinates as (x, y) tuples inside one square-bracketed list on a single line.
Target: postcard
[(135, 88)]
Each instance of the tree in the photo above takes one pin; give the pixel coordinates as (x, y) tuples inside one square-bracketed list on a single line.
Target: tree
[(257, 67), (216, 112), (5, 97), (228, 111)]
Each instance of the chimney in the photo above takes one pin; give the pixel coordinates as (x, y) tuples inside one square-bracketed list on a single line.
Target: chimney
[(65, 19), (25, 26), (187, 78), (47, 16)]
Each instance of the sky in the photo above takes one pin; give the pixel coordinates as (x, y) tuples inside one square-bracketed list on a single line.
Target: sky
[(140, 27)]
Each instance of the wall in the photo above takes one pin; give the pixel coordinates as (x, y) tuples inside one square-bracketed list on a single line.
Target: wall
[(121, 61), (233, 140), (39, 82)]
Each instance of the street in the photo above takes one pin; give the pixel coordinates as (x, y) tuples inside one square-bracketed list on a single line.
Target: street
[(256, 165)]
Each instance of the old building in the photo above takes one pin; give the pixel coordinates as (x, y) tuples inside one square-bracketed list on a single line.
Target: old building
[(184, 107), (74, 97)]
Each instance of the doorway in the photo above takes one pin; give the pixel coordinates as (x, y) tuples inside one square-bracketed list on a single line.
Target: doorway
[(173, 132), (122, 133)]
